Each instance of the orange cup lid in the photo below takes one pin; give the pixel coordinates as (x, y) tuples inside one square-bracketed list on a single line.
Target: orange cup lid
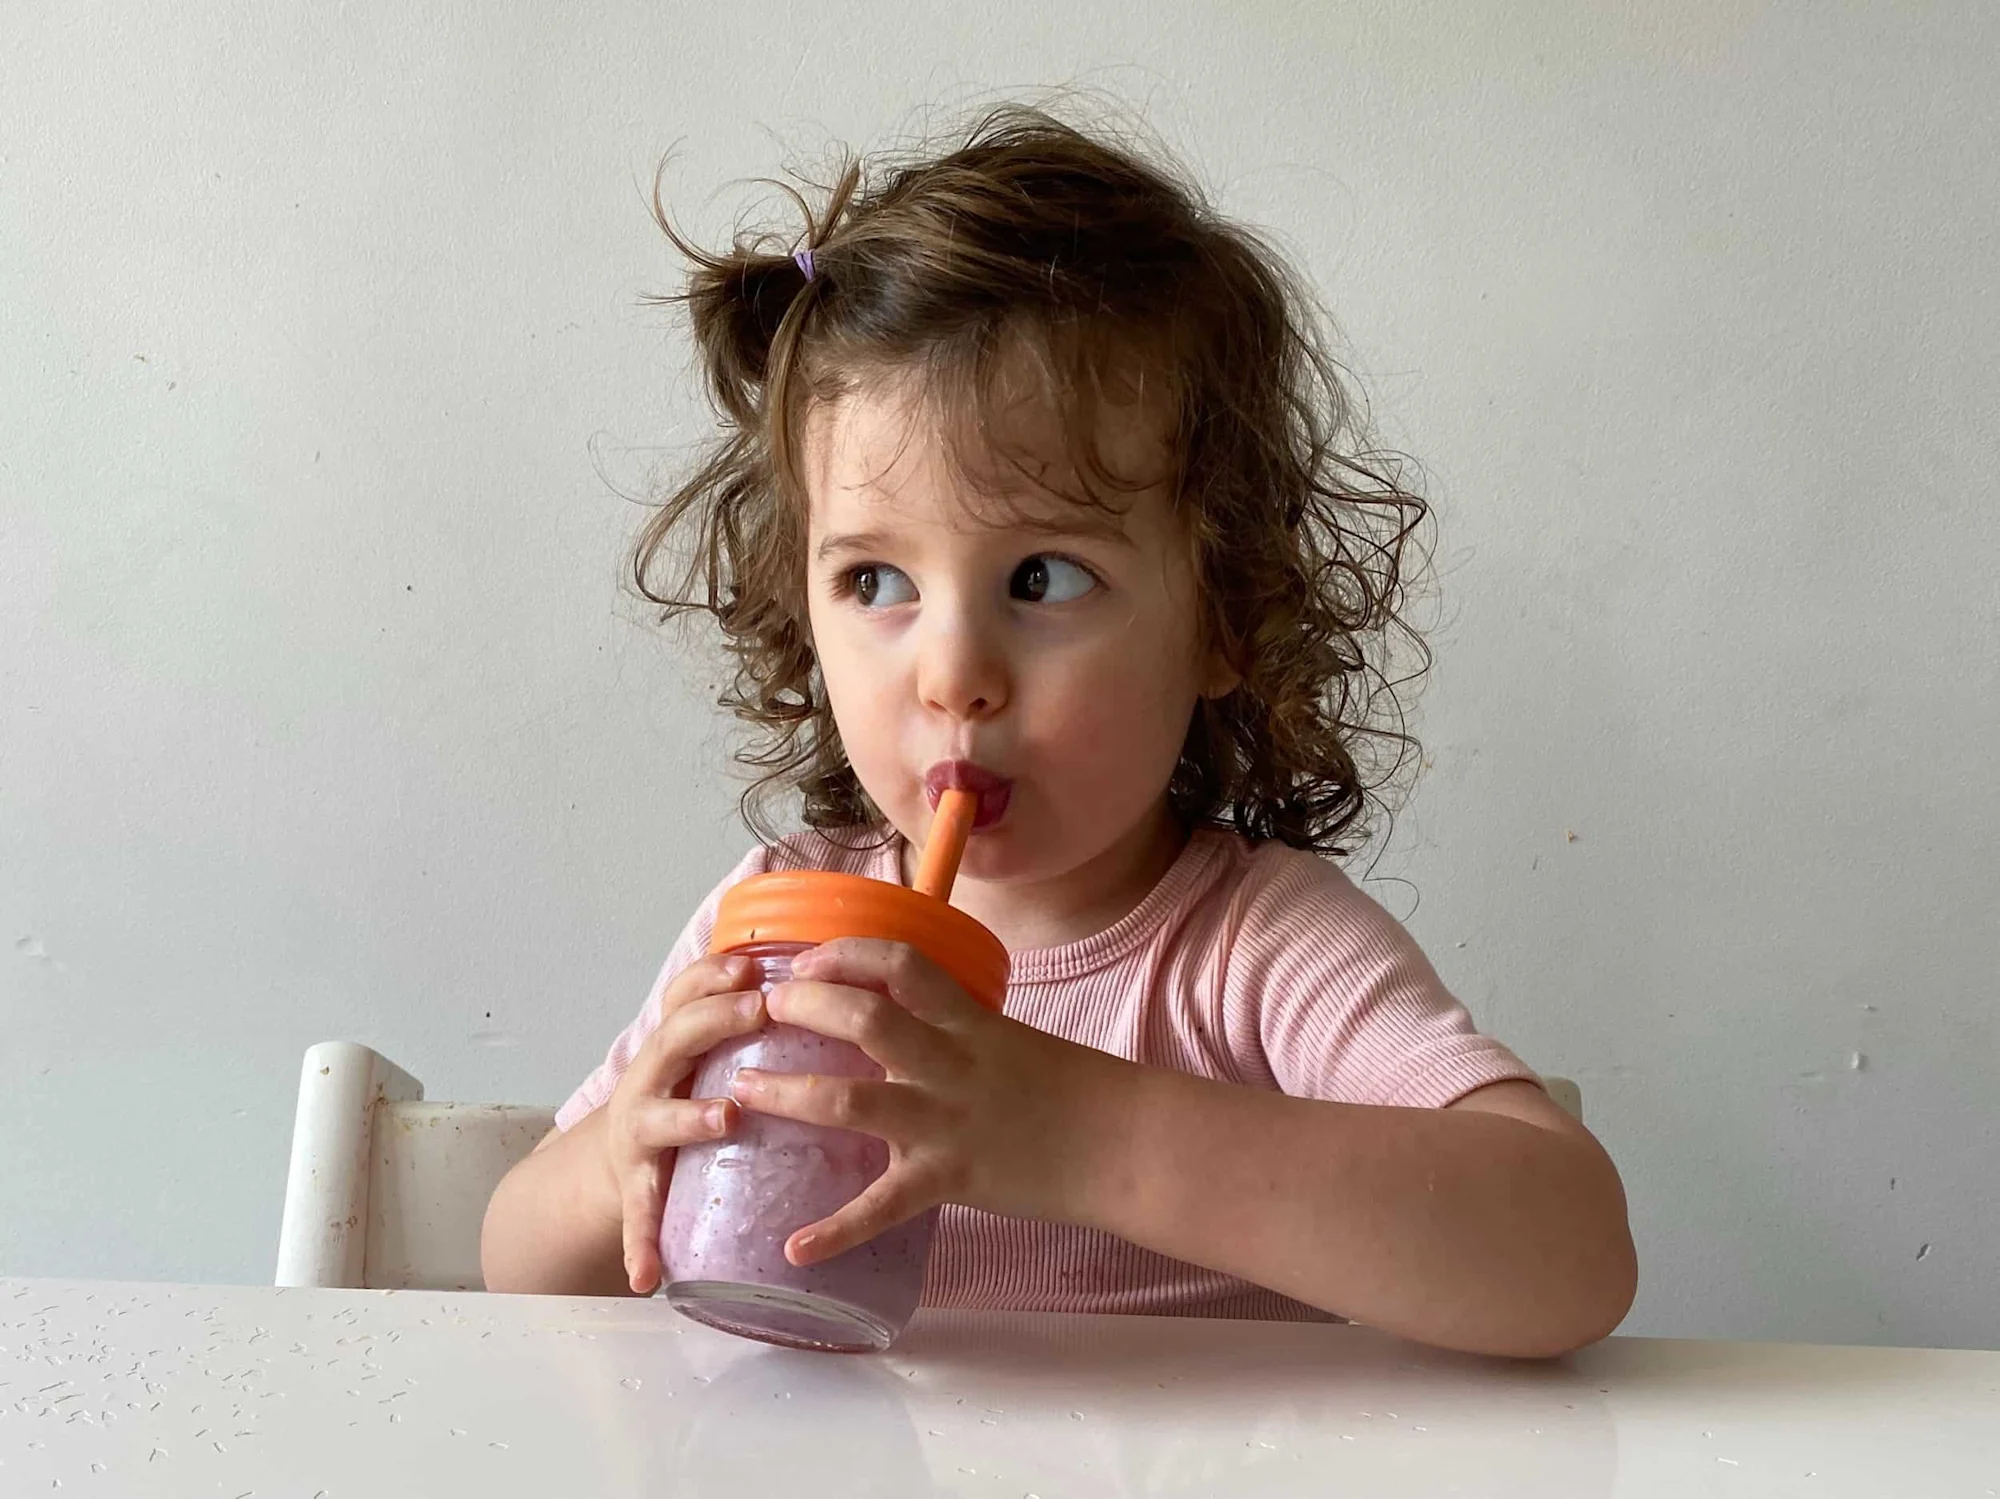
[(815, 906)]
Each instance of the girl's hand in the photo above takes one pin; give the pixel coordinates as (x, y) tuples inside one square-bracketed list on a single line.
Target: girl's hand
[(646, 1119), (975, 1108)]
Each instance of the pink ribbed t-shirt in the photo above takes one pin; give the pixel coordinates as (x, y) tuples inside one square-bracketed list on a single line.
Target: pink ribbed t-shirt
[(1250, 963)]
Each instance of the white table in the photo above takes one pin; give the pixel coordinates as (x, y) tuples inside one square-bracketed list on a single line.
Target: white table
[(251, 1391)]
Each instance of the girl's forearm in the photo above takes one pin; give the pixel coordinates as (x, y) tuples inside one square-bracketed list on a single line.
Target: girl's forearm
[(552, 1226), (1459, 1228)]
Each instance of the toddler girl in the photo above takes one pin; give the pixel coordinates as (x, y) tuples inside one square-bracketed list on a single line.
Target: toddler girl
[(1034, 480)]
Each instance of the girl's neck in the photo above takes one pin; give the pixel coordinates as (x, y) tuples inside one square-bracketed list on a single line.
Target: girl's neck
[(1078, 903)]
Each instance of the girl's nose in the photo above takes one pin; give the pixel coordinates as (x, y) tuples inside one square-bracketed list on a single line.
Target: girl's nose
[(962, 669)]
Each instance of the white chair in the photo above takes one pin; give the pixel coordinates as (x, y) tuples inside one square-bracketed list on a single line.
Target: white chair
[(386, 1190)]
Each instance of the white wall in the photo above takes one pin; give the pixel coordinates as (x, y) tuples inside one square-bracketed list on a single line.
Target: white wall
[(321, 713)]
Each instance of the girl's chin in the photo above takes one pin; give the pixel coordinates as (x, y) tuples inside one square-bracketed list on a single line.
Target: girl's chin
[(991, 854), (997, 858), (986, 838)]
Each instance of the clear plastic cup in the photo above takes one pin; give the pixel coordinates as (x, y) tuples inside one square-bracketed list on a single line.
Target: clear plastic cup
[(733, 1203)]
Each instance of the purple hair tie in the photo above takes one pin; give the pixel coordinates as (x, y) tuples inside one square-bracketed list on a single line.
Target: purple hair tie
[(804, 258)]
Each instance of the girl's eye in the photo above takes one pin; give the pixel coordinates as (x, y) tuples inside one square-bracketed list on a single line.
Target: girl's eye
[(879, 585), (1051, 580)]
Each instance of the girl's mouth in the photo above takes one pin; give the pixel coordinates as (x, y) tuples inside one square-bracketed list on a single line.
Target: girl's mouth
[(993, 791)]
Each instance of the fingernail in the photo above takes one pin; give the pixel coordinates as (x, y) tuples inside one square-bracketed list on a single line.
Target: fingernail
[(749, 1080), (749, 1005), (716, 1116)]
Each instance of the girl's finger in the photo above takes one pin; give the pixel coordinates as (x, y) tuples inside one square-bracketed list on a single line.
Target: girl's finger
[(693, 1029), (892, 1198), (716, 974), (640, 1206), (658, 1124), (887, 1111), (881, 1027), (891, 968), (719, 973)]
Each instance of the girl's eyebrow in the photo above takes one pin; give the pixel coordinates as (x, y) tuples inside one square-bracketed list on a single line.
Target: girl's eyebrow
[(861, 542), (1098, 526)]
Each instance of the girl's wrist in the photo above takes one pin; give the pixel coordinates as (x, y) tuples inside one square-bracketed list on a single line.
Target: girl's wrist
[(1106, 1109)]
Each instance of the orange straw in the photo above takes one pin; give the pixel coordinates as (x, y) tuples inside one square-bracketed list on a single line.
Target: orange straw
[(937, 870)]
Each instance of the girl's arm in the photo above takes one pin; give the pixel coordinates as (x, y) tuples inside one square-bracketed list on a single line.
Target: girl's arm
[(553, 1225), (1495, 1226)]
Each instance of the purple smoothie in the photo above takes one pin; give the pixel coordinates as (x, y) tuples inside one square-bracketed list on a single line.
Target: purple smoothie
[(733, 1203)]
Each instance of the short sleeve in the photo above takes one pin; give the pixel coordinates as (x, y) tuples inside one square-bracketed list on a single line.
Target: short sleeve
[(1340, 998), (693, 944)]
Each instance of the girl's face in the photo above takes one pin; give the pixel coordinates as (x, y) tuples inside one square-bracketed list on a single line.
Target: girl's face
[(1039, 652)]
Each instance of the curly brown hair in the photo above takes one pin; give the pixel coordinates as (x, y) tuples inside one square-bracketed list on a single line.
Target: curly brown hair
[(1032, 229)]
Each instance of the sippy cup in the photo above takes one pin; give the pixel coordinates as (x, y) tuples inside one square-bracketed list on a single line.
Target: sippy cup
[(733, 1203)]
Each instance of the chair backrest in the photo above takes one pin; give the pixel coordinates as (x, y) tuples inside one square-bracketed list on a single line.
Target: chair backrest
[(386, 1190)]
